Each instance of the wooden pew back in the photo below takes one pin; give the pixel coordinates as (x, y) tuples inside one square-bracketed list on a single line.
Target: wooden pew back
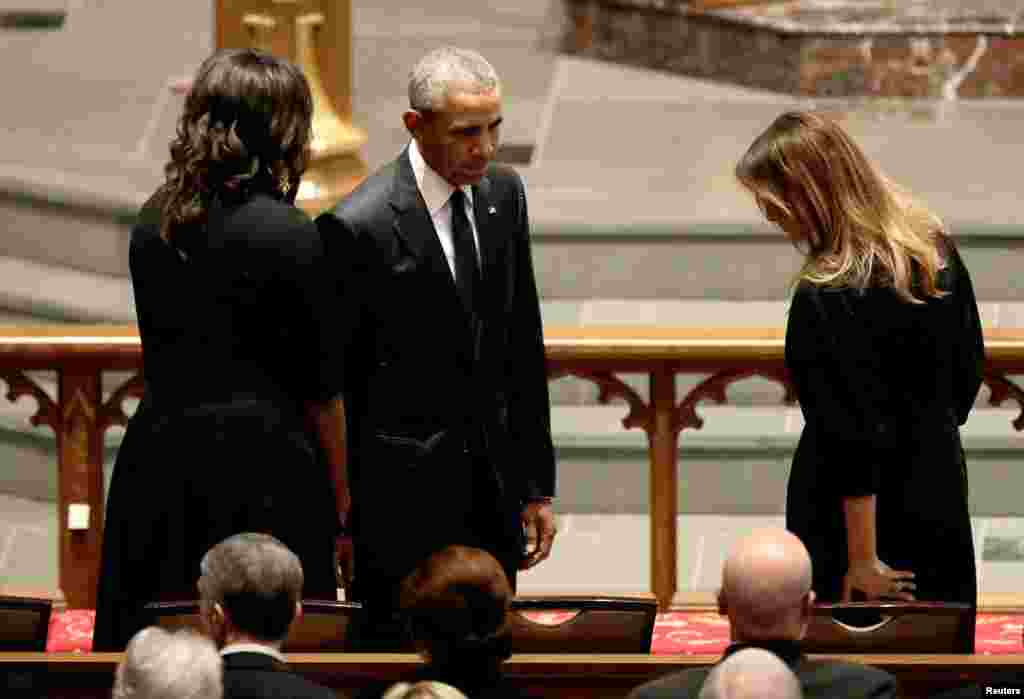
[(562, 676), (323, 626), (891, 627)]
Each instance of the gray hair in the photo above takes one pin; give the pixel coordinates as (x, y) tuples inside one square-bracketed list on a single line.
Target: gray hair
[(257, 579), (441, 70), (426, 689), (162, 665), (751, 673)]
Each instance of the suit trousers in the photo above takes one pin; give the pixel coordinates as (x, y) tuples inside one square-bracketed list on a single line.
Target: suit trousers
[(415, 508)]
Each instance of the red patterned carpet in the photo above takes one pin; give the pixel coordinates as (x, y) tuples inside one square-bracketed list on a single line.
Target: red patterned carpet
[(688, 633)]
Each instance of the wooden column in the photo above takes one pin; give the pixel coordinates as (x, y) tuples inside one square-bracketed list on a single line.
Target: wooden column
[(663, 443), (80, 479)]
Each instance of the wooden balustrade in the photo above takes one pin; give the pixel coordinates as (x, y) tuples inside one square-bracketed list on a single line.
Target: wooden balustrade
[(90, 676), (80, 414)]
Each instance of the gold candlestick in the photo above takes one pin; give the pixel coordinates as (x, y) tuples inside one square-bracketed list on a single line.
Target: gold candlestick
[(308, 32)]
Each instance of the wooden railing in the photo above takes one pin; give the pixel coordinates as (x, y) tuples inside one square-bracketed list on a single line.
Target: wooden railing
[(562, 676), (80, 414)]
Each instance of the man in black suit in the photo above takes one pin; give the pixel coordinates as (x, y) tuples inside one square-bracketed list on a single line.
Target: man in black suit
[(446, 390), (766, 594), (250, 591)]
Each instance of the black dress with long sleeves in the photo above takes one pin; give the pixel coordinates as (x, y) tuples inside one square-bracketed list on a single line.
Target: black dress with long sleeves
[(236, 337), (884, 386)]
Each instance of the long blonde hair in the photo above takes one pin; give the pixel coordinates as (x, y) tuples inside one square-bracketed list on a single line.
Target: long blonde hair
[(859, 227)]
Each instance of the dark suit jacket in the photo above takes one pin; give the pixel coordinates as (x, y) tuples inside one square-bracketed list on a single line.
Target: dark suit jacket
[(426, 380), (259, 676), (820, 679)]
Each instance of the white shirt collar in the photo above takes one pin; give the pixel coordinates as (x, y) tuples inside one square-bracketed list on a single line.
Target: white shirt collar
[(434, 189), (253, 648)]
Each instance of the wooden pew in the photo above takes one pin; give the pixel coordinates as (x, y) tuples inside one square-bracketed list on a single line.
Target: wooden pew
[(90, 675)]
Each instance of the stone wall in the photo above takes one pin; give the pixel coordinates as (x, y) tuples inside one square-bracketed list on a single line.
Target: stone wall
[(830, 60), (909, 66), (681, 43)]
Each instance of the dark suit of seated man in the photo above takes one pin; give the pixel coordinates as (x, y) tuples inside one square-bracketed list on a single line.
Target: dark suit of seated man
[(766, 594), (250, 591)]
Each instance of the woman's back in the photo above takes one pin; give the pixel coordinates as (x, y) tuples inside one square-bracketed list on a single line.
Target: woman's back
[(878, 486), (883, 385), (231, 313), (242, 379), (919, 362)]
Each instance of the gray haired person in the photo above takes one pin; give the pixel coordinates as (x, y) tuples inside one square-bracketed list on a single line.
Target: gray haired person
[(423, 690), (446, 71), (752, 673), (250, 592), (162, 665)]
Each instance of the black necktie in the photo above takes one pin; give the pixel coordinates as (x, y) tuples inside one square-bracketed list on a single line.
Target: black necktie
[(467, 272)]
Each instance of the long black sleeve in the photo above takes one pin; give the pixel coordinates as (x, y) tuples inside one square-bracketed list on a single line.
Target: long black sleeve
[(527, 390), (839, 390), (970, 351)]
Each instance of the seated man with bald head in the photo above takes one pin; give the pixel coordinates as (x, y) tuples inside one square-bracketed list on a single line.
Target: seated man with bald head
[(766, 594)]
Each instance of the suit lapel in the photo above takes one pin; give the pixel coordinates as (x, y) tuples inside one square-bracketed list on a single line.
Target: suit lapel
[(486, 217), (415, 228)]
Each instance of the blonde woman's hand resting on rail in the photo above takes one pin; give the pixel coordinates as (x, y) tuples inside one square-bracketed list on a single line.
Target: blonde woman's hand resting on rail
[(876, 580)]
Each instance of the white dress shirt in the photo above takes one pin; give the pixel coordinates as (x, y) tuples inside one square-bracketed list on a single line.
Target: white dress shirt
[(436, 192)]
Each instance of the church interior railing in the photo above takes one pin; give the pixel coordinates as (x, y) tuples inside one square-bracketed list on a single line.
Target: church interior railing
[(80, 413)]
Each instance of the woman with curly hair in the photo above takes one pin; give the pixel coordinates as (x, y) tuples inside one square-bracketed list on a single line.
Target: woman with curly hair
[(885, 351), (241, 427)]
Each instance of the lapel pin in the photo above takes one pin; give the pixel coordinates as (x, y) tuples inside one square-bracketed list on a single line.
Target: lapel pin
[(492, 210)]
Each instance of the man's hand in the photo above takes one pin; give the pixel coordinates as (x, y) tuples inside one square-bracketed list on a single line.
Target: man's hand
[(539, 521)]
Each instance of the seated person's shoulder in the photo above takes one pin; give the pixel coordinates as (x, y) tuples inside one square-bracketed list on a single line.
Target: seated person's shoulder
[(677, 684), (856, 679), (289, 683), (311, 689)]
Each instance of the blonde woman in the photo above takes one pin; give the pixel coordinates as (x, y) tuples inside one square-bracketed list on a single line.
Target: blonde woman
[(885, 350)]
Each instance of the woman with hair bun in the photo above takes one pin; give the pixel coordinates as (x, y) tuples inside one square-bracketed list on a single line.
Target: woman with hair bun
[(241, 427), (885, 351), (455, 606)]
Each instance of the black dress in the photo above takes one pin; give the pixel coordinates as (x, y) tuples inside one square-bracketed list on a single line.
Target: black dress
[(884, 386), (236, 338)]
